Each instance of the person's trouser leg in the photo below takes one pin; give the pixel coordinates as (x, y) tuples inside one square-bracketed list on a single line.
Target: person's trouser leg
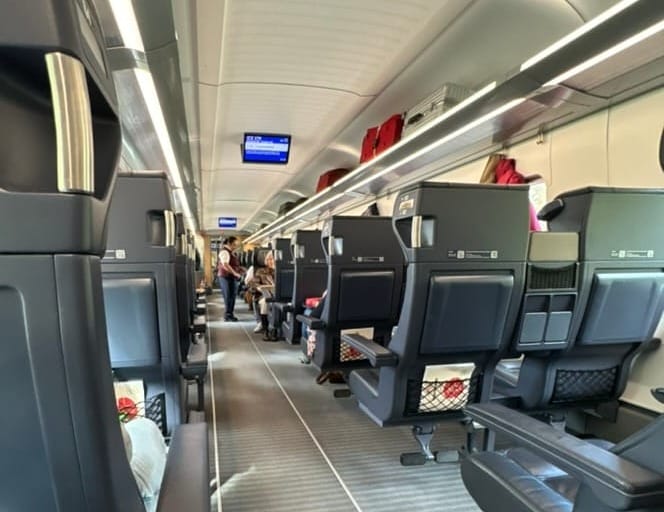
[(223, 285), (232, 294)]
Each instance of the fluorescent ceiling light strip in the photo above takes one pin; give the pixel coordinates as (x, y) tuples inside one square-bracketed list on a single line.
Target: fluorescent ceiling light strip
[(583, 29), (125, 17), (259, 235), (149, 92), (600, 57), (447, 138), (427, 126)]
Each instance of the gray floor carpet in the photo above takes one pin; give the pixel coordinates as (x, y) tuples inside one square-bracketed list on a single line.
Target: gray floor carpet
[(286, 444)]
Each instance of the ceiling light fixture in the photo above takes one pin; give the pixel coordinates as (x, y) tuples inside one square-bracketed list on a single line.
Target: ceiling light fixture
[(614, 50), (575, 34)]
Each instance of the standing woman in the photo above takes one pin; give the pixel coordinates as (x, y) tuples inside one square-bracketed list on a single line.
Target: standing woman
[(228, 270)]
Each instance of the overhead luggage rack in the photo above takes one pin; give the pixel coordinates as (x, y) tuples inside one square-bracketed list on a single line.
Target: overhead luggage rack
[(595, 66)]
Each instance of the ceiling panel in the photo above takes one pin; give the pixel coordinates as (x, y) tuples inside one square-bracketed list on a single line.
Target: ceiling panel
[(210, 21), (294, 42), (293, 67), (311, 115), (242, 184)]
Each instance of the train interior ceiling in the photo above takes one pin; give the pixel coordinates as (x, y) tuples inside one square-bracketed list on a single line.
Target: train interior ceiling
[(277, 255)]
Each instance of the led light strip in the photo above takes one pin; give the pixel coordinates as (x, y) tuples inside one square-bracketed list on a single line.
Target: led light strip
[(614, 50), (583, 29)]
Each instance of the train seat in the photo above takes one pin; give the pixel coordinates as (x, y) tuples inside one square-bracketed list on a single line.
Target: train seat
[(583, 324), (309, 280), (139, 279), (61, 444), (365, 271), (550, 470), (283, 285), (463, 290)]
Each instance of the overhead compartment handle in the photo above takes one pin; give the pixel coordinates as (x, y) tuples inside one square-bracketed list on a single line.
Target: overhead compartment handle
[(73, 123)]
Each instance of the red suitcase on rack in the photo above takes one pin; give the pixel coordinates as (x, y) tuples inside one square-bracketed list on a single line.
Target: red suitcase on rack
[(369, 144), (327, 179), (389, 133)]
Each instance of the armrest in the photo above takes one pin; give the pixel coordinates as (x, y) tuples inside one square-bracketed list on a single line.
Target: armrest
[(285, 307), (196, 364), (617, 482), (311, 322), (186, 482), (376, 354)]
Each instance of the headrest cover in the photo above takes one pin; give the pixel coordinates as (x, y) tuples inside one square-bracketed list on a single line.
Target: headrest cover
[(306, 247), (139, 230), (463, 222), (613, 223), (348, 239)]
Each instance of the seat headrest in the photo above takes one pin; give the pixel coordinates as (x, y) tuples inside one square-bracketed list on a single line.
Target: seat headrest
[(141, 224), (456, 222), (350, 239), (613, 223), (282, 252), (306, 247)]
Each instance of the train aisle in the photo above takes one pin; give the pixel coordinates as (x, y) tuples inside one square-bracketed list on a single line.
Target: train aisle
[(286, 444)]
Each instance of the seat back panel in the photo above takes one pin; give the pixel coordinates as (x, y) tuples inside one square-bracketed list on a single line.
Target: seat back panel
[(131, 313), (466, 312), (623, 307), (365, 296)]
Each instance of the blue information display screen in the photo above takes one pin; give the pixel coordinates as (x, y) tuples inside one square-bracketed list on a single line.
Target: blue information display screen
[(265, 148), (227, 222)]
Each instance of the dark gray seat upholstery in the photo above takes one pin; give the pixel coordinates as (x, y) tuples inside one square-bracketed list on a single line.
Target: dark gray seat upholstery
[(550, 471), (606, 309), (60, 437), (310, 278), (191, 327), (141, 256), (284, 275), (365, 271), (463, 289)]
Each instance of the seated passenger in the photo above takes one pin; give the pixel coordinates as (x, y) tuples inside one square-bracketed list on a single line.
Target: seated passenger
[(310, 335), (260, 285)]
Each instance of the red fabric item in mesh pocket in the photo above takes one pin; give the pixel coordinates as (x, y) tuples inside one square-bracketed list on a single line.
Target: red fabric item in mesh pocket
[(312, 302)]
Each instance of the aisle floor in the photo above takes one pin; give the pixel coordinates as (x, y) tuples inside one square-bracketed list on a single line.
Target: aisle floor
[(285, 443)]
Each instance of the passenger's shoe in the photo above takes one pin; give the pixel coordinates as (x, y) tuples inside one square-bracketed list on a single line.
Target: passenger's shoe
[(258, 328)]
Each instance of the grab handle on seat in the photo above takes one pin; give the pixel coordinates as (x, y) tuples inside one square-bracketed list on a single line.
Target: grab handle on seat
[(73, 123)]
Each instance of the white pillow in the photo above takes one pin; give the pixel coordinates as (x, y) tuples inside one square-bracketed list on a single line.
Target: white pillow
[(148, 456)]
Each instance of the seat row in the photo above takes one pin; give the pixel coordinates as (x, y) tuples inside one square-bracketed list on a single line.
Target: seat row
[(156, 323), (62, 445), (544, 322)]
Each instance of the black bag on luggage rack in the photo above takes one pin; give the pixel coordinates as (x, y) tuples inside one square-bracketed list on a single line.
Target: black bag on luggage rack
[(289, 205)]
